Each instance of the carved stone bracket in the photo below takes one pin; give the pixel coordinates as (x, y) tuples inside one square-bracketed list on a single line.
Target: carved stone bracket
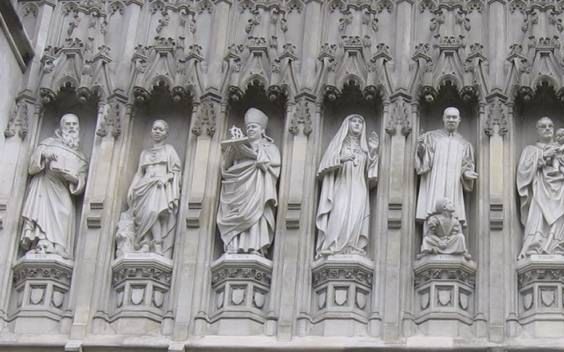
[(141, 283), (496, 122), (399, 118), (18, 122), (113, 113), (541, 294), (41, 283), (444, 288), (241, 291), (342, 289), (302, 118), (205, 119)]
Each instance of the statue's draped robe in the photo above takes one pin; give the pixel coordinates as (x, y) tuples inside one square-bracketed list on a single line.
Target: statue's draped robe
[(445, 229), (248, 200), (148, 201), (49, 211), (343, 213), (447, 156), (541, 191)]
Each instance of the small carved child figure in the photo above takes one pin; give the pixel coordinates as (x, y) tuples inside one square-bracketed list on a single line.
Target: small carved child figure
[(443, 232), (558, 160)]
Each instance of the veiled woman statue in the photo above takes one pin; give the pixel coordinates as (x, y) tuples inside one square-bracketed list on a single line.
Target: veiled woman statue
[(154, 194), (248, 191), (348, 167)]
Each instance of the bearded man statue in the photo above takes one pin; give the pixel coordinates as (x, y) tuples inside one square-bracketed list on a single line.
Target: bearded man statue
[(58, 171)]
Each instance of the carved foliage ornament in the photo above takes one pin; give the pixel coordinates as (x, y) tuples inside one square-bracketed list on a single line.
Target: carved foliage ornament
[(399, 118), (206, 120), (18, 121), (302, 116), (496, 122)]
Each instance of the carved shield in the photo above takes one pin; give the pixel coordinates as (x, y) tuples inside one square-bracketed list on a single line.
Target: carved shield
[(321, 299), (547, 297), (425, 300), (119, 298), (137, 294), (360, 299), (341, 296), (258, 299), (528, 300), (57, 299), (444, 297), (219, 299), (237, 296), (463, 300), (36, 296), (158, 298)]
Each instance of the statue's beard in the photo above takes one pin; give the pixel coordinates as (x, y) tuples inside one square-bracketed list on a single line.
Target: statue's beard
[(70, 138)]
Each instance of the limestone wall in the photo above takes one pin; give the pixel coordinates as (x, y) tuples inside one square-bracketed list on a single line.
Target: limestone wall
[(200, 64)]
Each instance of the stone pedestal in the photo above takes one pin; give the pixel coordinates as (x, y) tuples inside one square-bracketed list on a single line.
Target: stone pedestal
[(39, 300), (342, 286), (541, 295), (241, 290), (444, 295), (141, 284)]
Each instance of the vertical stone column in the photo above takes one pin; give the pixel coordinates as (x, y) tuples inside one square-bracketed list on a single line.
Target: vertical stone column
[(194, 252), (291, 236), (493, 255), (396, 267), (94, 249), (19, 136)]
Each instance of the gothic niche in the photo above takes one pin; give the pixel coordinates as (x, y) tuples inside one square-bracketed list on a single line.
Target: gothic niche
[(446, 209), (51, 212), (539, 182), (248, 204), (148, 224), (345, 219)]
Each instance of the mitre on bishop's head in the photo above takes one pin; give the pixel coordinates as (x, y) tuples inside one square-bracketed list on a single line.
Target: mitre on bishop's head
[(256, 116)]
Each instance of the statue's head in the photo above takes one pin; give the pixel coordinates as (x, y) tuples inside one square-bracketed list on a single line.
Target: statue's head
[(559, 135), (69, 130), (545, 129), (255, 124), (356, 124), (159, 131), (451, 119), (444, 205)]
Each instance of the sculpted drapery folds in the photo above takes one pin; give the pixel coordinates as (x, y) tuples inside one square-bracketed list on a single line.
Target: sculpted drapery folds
[(540, 185), (248, 194), (348, 167), (154, 194), (443, 232), (445, 162), (58, 171)]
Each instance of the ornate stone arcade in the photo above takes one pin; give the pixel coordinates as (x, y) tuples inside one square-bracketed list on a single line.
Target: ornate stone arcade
[(297, 174)]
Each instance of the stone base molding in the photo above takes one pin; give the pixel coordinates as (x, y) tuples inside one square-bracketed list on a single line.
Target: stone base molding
[(342, 288), (444, 294), (39, 301), (140, 284), (541, 295), (241, 292)]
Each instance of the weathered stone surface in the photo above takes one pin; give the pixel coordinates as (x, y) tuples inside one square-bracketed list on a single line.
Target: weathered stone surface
[(354, 282)]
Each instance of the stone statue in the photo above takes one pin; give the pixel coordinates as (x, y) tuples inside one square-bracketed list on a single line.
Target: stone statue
[(444, 232), (58, 171), (445, 162), (540, 186), (153, 198), (348, 167), (248, 191)]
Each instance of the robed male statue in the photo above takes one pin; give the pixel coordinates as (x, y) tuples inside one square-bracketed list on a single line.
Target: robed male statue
[(58, 171), (445, 162), (248, 197)]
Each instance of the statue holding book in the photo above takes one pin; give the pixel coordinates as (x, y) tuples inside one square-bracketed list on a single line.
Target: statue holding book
[(248, 199)]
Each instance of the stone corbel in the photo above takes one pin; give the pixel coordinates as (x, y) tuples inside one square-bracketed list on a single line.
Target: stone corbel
[(398, 127), (300, 127), (204, 128), (496, 128)]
